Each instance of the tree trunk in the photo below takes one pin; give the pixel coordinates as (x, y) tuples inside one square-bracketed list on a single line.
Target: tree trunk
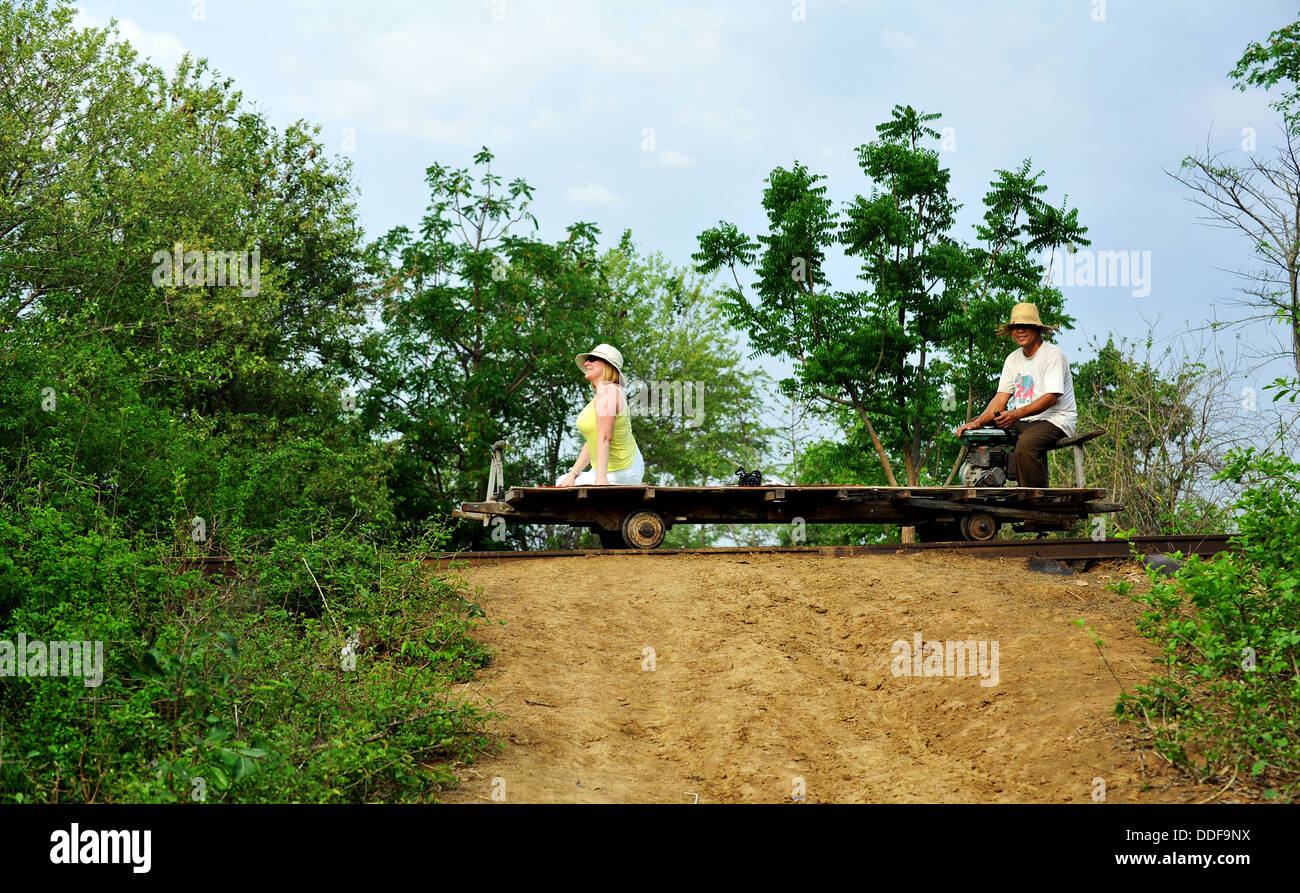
[(908, 534), (1295, 320), (880, 450)]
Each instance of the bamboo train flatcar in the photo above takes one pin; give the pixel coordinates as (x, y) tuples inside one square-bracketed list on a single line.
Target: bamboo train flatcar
[(639, 516)]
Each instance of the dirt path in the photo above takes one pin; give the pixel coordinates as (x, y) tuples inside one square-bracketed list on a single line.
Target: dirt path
[(768, 669)]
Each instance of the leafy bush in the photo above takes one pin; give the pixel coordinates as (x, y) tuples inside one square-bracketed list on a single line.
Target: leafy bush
[(234, 693), (1229, 629), (383, 730)]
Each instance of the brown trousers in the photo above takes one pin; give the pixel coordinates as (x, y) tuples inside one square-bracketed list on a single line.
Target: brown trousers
[(1029, 461)]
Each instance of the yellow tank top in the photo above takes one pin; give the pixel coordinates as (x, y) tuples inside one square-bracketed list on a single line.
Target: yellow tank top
[(622, 448)]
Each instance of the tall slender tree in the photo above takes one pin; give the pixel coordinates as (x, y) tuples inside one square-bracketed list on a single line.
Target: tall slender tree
[(889, 352)]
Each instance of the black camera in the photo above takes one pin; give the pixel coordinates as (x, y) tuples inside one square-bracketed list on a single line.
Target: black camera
[(750, 478)]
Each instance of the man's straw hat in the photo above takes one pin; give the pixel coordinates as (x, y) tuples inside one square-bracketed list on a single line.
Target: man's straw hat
[(1026, 314)]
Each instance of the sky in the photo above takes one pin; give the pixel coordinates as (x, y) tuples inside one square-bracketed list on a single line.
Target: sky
[(664, 117)]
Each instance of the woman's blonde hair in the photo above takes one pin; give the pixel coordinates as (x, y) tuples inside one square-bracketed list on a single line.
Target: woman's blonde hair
[(610, 374)]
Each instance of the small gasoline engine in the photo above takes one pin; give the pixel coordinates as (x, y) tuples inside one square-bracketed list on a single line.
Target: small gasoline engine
[(988, 456)]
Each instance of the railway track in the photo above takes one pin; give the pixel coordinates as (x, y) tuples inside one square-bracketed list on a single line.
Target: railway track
[(1058, 549), (1063, 549)]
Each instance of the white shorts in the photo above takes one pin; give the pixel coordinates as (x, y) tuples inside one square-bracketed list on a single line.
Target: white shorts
[(633, 474)]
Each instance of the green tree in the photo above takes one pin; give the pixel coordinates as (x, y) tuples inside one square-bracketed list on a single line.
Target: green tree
[(1271, 64), (480, 329), (129, 405), (1170, 418), (1018, 228), (888, 353), (674, 325), (1144, 461), (117, 370), (697, 413)]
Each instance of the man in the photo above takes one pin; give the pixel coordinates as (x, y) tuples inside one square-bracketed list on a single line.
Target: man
[(1035, 397)]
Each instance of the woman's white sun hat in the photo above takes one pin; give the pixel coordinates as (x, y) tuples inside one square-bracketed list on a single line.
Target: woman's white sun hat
[(604, 352)]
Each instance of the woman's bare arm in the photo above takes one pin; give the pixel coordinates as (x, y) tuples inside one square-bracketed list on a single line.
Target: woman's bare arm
[(606, 410), (584, 459)]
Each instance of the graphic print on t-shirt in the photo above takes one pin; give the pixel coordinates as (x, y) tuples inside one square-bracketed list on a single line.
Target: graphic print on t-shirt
[(1023, 395)]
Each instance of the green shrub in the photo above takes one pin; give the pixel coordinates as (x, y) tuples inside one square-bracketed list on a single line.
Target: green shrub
[(234, 693), (1228, 699)]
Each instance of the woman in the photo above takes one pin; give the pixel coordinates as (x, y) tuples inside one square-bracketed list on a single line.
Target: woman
[(605, 426)]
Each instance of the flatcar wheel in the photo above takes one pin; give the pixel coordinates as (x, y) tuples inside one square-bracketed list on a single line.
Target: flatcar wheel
[(611, 539), (643, 530), (979, 527)]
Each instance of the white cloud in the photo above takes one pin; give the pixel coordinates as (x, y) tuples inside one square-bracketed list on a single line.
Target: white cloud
[(434, 130), (162, 48), (545, 119), (340, 98), (739, 125), (288, 64), (469, 71), (593, 194), (897, 40), (670, 159)]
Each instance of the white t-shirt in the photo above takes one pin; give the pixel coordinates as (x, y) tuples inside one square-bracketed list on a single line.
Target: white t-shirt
[(1046, 372)]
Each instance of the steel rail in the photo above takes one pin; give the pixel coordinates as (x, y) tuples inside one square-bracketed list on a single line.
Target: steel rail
[(1061, 549)]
